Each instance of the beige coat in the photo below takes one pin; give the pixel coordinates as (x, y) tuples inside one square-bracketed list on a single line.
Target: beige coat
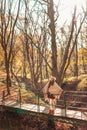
[(54, 89)]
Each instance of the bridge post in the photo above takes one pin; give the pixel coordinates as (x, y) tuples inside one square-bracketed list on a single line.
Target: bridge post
[(38, 102), (65, 105), (20, 97), (83, 115), (3, 98), (64, 110)]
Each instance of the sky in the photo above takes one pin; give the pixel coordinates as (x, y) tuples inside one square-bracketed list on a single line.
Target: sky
[(66, 8)]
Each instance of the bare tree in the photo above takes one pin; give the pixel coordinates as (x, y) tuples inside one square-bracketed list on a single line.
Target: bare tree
[(7, 27), (40, 44), (70, 44), (53, 37)]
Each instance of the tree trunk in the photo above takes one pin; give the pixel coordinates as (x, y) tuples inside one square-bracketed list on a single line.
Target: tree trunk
[(53, 37), (76, 61), (8, 79)]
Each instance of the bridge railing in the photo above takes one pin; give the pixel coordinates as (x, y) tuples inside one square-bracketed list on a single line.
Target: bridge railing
[(21, 97), (73, 100), (70, 100)]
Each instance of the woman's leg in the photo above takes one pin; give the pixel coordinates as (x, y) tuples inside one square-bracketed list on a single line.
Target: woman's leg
[(53, 105), (50, 106)]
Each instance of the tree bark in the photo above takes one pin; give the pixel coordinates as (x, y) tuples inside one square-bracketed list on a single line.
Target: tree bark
[(53, 39), (8, 78)]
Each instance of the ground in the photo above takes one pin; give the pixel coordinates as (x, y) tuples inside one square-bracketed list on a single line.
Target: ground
[(14, 121)]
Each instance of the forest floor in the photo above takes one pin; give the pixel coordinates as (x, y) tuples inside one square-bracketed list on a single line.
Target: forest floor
[(13, 121)]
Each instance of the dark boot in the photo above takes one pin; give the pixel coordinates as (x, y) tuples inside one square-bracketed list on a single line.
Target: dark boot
[(52, 112), (49, 111)]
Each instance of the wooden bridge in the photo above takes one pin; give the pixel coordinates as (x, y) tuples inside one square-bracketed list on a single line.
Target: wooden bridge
[(70, 108)]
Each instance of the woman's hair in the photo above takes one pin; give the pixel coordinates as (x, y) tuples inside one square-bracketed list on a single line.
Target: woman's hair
[(51, 83)]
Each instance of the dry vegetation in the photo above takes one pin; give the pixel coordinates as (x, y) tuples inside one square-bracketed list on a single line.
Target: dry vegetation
[(14, 121), (76, 83)]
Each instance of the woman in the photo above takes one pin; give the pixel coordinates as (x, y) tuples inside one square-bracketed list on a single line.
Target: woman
[(52, 91)]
